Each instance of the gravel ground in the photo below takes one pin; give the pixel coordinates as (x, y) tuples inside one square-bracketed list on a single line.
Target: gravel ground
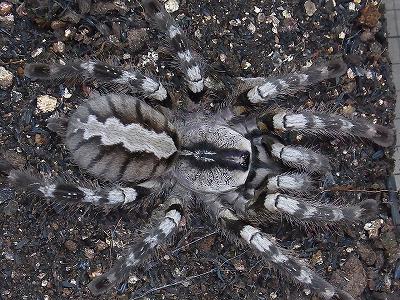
[(49, 251)]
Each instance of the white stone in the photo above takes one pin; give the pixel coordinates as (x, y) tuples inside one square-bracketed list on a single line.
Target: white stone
[(37, 52), (310, 8), (46, 103), (171, 6), (6, 78)]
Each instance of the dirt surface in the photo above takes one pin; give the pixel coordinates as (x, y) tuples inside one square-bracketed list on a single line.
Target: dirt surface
[(48, 251)]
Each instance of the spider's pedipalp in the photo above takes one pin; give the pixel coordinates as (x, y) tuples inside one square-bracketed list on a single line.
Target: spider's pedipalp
[(136, 254), (298, 157), (188, 61), (329, 124), (136, 81), (302, 209), (265, 89), (263, 244), (66, 192)]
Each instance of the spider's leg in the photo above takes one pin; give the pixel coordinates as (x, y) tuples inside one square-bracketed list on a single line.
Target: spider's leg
[(188, 61), (242, 231), (266, 89), (330, 125), (302, 209), (297, 156), (71, 193), (145, 85), (137, 253), (291, 182)]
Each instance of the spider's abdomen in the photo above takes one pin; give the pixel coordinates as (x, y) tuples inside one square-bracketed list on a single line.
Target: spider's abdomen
[(119, 137), (213, 158)]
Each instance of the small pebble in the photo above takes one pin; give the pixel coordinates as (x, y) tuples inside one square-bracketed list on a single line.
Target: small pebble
[(252, 28), (261, 18), (101, 245), (171, 6), (238, 265), (133, 279), (37, 52), (257, 9), (310, 8), (70, 245), (307, 291), (342, 35), (246, 65), (46, 103), (95, 274), (89, 253), (286, 14), (350, 73), (40, 139), (373, 227), (59, 47), (7, 20), (317, 258), (6, 78), (5, 8), (66, 94)]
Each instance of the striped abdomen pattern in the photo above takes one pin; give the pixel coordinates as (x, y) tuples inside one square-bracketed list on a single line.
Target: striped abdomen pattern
[(119, 137)]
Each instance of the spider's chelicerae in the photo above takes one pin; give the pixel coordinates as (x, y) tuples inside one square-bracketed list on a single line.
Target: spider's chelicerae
[(235, 166)]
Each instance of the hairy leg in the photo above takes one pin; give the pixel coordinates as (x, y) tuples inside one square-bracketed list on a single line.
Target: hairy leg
[(245, 233), (302, 209), (136, 254), (132, 79), (329, 125), (189, 62), (292, 182), (297, 157), (61, 190), (265, 89)]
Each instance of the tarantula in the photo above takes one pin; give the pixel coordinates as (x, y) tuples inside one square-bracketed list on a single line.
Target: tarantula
[(235, 166)]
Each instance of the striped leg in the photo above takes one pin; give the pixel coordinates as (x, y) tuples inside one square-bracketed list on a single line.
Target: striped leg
[(329, 124), (139, 252), (266, 89), (295, 183), (132, 79), (187, 60), (243, 231), (303, 210), (297, 157), (70, 193)]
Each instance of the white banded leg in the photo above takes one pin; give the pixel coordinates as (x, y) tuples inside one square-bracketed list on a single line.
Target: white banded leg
[(303, 210), (297, 183), (298, 157), (137, 253), (187, 60), (329, 125), (71, 193), (265, 246), (265, 89), (132, 79)]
